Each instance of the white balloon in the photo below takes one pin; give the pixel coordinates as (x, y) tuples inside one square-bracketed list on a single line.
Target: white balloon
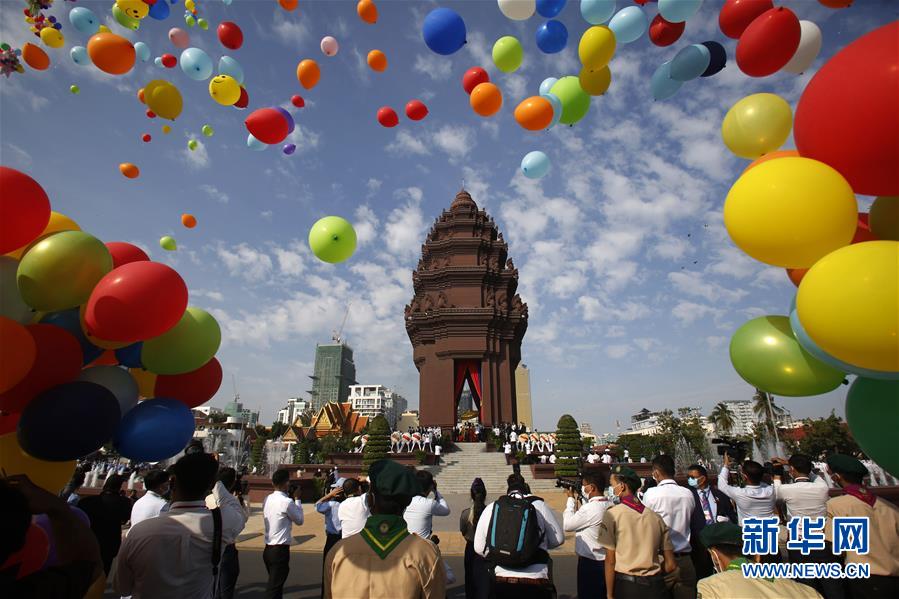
[(329, 46), (809, 45), (517, 10)]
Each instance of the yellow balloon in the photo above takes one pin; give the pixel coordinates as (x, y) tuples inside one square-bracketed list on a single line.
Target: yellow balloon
[(58, 222), (102, 29), (135, 9), (597, 46), (52, 37), (164, 99), (595, 82), (756, 125), (146, 381), (190, 5), (166, 129), (848, 303), (224, 89), (51, 476), (790, 212)]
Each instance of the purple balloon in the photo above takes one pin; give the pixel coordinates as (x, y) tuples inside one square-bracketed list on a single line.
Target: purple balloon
[(288, 118), (289, 149), (43, 521)]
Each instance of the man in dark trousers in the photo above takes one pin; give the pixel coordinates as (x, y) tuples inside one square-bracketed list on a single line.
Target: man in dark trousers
[(710, 506), (280, 512), (108, 511)]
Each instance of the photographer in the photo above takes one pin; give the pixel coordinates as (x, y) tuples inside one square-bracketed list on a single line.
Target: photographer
[(756, 498), (328, 506), (421, 511), (584, 521), (229, 568), (281, 511)]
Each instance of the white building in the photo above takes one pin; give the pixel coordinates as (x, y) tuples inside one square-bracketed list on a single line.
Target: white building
[(228, 440), (646, 422), (207, 411), (295, 406), (377, 400), (745, 418)]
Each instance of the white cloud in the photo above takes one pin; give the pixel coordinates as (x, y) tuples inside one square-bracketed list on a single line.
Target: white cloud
[(266, 214), (290, 261), (454, 141), (373, 185), (216, 296), (197, 159), (695, 284), (715, 341), (406, 143), (290, 30), (405, 227), (304, 138), (617, 351), (687, 312), (366, 224), (436, 67), (215, 193), (246, 262), (595, 310), (19, 157)]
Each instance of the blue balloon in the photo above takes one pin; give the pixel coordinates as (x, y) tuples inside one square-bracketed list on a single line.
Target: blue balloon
[(130, 355), (552, 37), (226, 2), (142, 50), (690, 62), (287, 117), (196, 64), (154, 430), (255, 144), (158, 60), (678, 11), (84, 20), (70, 320), (79, 55), (535, 164), (160, 10), (718, 58), (550, 8), (444, 31), (629, 24), (557, 108), (661, 84), (547, 85), (119, 382), (229, 66), (289, 149), (597, 12)]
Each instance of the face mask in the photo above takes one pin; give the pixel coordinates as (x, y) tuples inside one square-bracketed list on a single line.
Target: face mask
[(692, 482), (584, 491)]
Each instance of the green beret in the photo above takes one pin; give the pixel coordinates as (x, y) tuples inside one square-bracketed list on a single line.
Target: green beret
[(389, 478), (625, 473), (721, 533), (840, 462)]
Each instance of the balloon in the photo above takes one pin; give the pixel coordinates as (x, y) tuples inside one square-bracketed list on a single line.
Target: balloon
[(691, 62), (142, 51), (297, 101), (884, 218), (662, 85), (185, 347), (387, 117), (117, 380), (267, 125), (809, 46), (189, 220), (329, 46), (416, 110), (549, 8), (163, 98), (229, 66), (50, 476), (765, 354), (790, 212), (75, 89), (717, 60), (756, 125), (534, 113), (58, 359), (629, 24), (507, 54), (597, 82), (169, 61), (575, 101), (191, 388), (136, 301), (168, 243), (111, 53), (769, 42), (129, 170), (159, 10), (155, 430), (664, 33), (444, 30), (517, 10), (486, 99), (130, 355), (179, 37), (736, 15), (230, 35), (35, 57), (771, 156), (288, 118), (136, 9), (70, 320), (332, 239), (255, 144), (224, 89), (535, 164), (377, 61), (243, 101), (58, 222), (11, 304), (34, 554), (24, 209), (308, 73), (146, 380), (545, 85), (166, 129), (474, 77), (836, 3), (124, 20), (288, 5), (597, 12), (84, 20), (289, 149), (52, 37), (847, 114), (367, 11), (552, 37), (207, 130), (68, 421), (678, 11), (557, 108), (796, 275), (872, 413), (18, 351), (125, 253), (196, 64), (596, 48)]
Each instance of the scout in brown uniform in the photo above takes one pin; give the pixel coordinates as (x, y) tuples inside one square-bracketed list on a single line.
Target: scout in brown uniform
[(883, 527), (634, 536)]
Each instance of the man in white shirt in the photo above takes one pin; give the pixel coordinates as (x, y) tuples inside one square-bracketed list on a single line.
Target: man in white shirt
[(438, 450), (675, 505), (171, 555), (627, 456), (507, 448), (552, 459), (281, 511), (229, 568), (156, 483), (606, 457), (756, 499), (592, 457), (354, 510), (584, 522), (329, 507), (421, 510)]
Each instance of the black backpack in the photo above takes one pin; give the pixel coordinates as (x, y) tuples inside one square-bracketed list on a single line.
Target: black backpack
[(514, 535)]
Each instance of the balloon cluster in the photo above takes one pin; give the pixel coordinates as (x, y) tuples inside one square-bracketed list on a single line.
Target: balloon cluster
[(192, 15), (269, 126), (47, 28), (9, 60), (99, 344)]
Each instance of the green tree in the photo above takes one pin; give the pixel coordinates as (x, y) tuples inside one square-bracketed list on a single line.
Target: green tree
[(278, 429), (767, 412), (257, 454), (301, 454), (378, 442), (261, 431), (722, 417), (568, 446), (218, 418), (827, 435), (640, 446)]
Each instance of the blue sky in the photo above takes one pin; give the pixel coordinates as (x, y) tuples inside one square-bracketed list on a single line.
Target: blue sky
[(633, 285)]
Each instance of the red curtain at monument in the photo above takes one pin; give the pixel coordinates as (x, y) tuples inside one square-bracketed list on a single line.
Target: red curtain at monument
[(471, 370)]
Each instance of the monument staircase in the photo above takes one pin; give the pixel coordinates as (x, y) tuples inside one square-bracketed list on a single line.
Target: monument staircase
[(459, 468)]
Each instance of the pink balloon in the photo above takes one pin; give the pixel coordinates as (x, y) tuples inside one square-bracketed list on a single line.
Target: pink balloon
[(329, 46), (179, 37)]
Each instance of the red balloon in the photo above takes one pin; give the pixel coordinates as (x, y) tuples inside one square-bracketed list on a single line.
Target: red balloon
[(298, 101), (416, 110), (192, 388), (387, 117), (169, 61), (136, 301), (146, 137), (836, 3), (796, 275), (59, 359), (123, 253), (8, 423), (24, 209), (769, 42), (267, 125), (33, 554), (474, 77), (736, 15), (662, 33), (847, 115), (244, 99), (863, 230), (230, 35), (151, 114)]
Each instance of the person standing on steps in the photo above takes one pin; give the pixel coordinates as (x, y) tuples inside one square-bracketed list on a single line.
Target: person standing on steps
[(477, 581)]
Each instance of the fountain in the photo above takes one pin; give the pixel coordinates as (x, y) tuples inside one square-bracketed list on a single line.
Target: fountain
[(684, 455), (277, 452)]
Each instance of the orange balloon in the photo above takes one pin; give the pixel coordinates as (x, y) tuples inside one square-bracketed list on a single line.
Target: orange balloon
[(796, 275), (146, 381), (288, 5), (189, 220), (107, 358), (129, 170), (377, 60), (111, 53), (308, 73), (486, 99), (140, 96), (367, 11), (17, 353), (35, 57), (771, 156), (534, 113)]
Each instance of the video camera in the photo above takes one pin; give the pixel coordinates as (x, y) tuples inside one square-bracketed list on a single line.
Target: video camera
[(573, 484), (734, 449)]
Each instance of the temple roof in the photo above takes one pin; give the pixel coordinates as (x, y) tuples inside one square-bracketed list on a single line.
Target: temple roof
[(463, 201)]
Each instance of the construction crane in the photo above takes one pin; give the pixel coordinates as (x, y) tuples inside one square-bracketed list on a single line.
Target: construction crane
[(337, 336)]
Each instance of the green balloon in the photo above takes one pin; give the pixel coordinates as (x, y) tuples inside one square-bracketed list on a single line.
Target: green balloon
[(332, 239), (207, 130), (60, 271), (74, 89), (765, 353), (192, 144), (575, 101), (124, 20), (872, 411), (507, 54), (883, 217), (185, 347), (203, 23), (168, 243)]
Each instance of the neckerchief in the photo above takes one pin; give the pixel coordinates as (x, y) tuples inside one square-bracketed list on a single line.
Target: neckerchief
[(860, 492), (384, 533), (738, 562), (633, 503)]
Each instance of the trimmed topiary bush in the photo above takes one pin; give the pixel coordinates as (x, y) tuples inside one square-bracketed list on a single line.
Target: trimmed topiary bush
[(378, 442), (568, 447)]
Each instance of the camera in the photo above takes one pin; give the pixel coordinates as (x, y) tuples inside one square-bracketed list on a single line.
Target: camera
[(734, 449), (569, 484), (773, 469)]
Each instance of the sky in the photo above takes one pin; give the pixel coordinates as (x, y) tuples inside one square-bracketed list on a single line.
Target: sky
[(633, 286)]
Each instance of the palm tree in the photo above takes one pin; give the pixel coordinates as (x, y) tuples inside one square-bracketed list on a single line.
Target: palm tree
[(767, 412), (722, 417)]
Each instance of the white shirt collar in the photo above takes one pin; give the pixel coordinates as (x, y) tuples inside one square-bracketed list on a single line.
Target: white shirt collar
[(188, 505)]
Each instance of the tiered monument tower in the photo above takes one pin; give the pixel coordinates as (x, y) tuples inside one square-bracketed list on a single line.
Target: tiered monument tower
[(466, 321)]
